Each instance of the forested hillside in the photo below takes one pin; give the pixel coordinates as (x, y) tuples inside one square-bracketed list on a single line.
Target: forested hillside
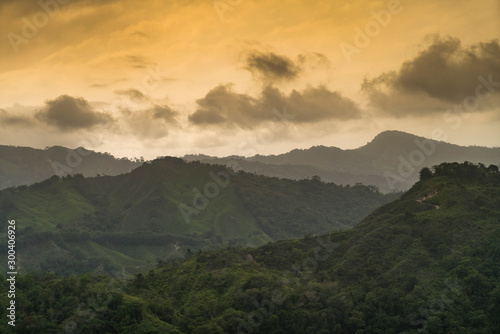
[(164, 207), (428, 262)]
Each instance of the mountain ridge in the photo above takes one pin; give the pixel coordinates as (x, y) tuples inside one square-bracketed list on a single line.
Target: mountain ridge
[(25, 166), (408, 267), (379, 163), (166, 206)]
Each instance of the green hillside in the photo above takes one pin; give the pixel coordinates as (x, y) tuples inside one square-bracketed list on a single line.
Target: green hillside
[(164, 207), (428, 262)]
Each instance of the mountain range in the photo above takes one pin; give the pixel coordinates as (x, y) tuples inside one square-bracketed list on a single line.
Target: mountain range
[(427, 262), (25, 166), (391, 161), (159, 210)]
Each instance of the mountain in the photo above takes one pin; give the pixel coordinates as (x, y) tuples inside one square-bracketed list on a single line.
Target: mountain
[(428, 262), (166, 206), (390, 162), (25, 166)]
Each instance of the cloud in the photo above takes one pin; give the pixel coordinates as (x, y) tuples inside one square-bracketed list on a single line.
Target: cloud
[(271, 67), (444, 73), (224, 107), (70, 113), (314, 60), (151, 123), (133, 94), (164, 113), (7, 119), (312, 105)]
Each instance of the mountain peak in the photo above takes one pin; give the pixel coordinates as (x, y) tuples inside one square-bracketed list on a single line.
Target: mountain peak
[(393, 135)]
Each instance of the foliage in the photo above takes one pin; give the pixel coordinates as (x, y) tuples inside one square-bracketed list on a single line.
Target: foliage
[(416, 265), (130, 221)]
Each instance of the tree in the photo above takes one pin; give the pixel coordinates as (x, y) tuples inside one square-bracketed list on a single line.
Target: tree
[(425, 173), (316, 178)]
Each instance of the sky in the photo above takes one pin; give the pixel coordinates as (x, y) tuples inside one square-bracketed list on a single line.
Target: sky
[(245, 77)]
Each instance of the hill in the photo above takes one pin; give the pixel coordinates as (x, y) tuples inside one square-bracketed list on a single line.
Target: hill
[(166, 206), (390, 162), (427, 262), (25, 166)]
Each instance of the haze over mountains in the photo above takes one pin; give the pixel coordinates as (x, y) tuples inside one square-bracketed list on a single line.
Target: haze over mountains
[(391, 161), (222, 242), (25, 166), (270, 201)]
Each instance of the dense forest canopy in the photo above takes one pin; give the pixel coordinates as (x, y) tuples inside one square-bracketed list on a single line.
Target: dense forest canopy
[(428, 262), (78, 224)]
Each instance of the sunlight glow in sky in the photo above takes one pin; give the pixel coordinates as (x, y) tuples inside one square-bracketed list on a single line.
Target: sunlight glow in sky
[(157, 78)]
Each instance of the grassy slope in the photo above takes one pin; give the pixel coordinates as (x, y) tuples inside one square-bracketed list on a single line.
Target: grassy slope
[(135, 219)]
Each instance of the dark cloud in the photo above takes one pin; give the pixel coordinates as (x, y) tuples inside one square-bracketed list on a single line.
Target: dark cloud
[(8, 119), (151, 123), (312, 105), (164, 113), (442, 74), (271, 67), (223, 107), (70, 113), (132, 94), (209, 117)]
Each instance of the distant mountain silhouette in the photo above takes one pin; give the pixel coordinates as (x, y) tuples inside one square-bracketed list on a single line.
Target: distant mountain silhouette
[(391, 161), (25, 166)]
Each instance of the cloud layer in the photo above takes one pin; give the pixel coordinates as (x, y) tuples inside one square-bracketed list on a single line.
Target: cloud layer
[(151, 123), (443, 74), (69, 113), (224, 107), (133, 94), (10, 120), (271, 67)]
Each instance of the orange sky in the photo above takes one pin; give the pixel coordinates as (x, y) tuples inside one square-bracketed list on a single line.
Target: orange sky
[(139, 78)]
